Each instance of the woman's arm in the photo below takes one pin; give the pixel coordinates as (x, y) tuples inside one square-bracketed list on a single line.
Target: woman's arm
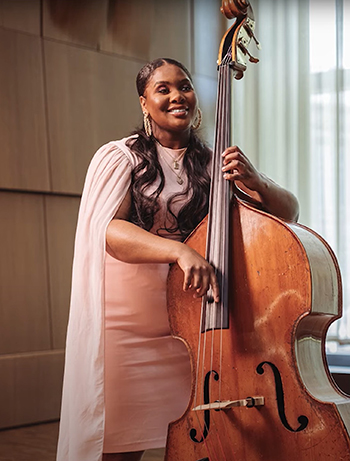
[(273, 198), (129, 243)]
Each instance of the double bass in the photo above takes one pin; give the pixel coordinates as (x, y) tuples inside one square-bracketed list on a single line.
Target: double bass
[(261, 388)]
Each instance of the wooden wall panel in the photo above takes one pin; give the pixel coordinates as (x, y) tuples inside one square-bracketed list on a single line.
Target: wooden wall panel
[(149, 29), (21, 15), (61, 218), (79, 23), (24, 299), (171, 35), (30, 387), (209, 27), (23, 133), (130, 28), (72, 90), (92, 99)]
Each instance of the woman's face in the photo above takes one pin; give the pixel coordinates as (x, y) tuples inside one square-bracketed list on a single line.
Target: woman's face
[(171, 102)]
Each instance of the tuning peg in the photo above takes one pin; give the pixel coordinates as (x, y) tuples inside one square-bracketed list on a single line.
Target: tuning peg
[(249, 28), (238, 74), (246, 51), (257, 43)]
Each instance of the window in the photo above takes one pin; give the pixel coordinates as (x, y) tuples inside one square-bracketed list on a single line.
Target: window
[(330, 142)]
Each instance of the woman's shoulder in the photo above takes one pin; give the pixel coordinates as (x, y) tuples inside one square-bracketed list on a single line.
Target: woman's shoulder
[(112, 164), (115, 152)]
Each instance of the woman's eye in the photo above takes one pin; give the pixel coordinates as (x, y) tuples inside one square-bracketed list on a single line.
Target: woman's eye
[(162, 90), (186, 88)]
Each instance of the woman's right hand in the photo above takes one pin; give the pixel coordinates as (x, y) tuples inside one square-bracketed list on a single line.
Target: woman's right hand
[(199, 275)]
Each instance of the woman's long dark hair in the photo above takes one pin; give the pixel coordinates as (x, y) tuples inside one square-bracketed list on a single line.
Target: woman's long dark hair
[(195, 164)]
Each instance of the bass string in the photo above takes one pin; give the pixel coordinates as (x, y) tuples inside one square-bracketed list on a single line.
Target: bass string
[(211, 223), (202, 340), (226, 130), (220, 254), (218, 247), (214, 240), (217, 251), (216, 255), (222, 232), (225, 192)]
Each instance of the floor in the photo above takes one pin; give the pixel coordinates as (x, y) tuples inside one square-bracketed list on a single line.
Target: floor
[(38, 443)]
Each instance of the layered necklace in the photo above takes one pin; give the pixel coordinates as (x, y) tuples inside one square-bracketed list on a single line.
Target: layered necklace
[(173, 162)]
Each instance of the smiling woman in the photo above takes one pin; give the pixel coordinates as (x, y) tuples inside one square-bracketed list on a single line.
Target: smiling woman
[(171, 103), (126, 377)]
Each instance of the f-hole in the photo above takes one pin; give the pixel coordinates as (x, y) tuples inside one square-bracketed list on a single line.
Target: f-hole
[(206, 395)]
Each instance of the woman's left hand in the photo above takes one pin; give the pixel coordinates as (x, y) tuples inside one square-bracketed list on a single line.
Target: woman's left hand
[(273, 198), (237, 167)]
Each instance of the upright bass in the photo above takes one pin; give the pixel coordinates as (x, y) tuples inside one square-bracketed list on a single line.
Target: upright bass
[(261, 388)]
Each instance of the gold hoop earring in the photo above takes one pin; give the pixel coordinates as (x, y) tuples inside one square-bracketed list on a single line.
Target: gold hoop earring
[(147, 124), (198, 120)]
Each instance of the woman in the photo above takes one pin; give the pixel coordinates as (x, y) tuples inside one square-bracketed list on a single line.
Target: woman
[(126, 378)]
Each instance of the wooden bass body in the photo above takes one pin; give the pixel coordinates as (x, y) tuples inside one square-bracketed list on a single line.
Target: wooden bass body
[(285, 291)]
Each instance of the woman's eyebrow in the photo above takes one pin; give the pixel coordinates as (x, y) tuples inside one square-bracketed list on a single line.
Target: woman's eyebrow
[(164, 82), (161, 82)]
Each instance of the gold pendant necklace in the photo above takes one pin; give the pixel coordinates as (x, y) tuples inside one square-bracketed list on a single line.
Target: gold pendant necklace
[(178, 176), (175, 161), (176, 164)]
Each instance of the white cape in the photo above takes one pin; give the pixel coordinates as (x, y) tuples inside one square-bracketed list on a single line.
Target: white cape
[(82, 413)]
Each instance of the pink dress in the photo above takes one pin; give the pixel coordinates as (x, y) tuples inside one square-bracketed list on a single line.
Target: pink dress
[(125, 378), (147, 372)]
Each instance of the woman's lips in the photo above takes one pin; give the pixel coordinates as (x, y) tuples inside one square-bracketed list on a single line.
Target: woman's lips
[(182, 111)]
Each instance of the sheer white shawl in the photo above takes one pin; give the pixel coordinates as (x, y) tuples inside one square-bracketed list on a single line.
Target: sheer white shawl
[(82, 412)]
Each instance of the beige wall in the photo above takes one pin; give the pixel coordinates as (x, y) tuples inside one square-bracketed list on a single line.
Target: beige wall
[(67, 86)]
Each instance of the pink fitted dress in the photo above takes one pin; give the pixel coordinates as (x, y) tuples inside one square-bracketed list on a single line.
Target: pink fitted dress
[(147, 372)]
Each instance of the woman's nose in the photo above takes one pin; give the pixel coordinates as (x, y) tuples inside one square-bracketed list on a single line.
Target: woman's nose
[(177, 96)]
